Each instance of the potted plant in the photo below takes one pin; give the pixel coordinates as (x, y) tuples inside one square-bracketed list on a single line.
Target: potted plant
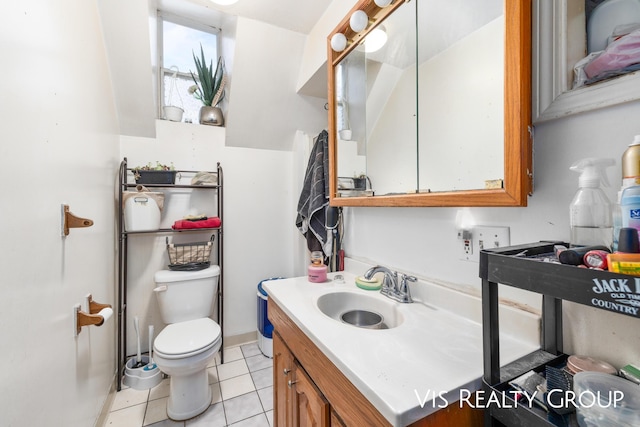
[(158, 174), (209, 88), (172, 111)]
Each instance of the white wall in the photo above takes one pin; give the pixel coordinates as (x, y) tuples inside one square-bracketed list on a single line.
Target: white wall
[(266, 111), (127, 42), (59, 144), (423, 240), (312, 79)]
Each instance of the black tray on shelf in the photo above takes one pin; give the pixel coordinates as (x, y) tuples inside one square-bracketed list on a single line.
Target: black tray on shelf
[(154, 176), (523, 267), (525, 414)]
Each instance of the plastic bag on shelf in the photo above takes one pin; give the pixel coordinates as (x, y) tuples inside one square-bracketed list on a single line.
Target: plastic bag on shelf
[(620, 54)]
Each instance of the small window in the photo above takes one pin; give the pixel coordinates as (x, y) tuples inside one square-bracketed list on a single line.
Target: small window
[(178, 40)]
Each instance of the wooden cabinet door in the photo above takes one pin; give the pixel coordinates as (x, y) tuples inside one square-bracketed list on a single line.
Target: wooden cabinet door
[(283, 366), (310, 408), (335, 420)]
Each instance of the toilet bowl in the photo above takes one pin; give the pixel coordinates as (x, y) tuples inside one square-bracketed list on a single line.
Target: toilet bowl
[(183, 351), (190, 341)]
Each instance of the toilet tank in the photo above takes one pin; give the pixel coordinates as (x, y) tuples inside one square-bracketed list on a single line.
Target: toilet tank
[(186, 295)]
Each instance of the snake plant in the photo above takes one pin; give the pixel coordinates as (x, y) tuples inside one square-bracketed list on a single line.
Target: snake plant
[(209, 86)]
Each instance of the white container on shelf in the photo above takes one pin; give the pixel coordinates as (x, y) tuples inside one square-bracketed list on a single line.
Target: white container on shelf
[(141, 212), (605, 400)]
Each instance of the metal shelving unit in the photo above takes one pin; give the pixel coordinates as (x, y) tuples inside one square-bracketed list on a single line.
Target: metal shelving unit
[(123, 184), (522, 267)]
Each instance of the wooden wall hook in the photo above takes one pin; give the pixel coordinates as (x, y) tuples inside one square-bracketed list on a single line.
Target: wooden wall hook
[(69, 220)]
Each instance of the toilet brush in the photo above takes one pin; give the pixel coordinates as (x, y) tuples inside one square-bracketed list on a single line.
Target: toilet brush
[(150, 365), (136, 326)]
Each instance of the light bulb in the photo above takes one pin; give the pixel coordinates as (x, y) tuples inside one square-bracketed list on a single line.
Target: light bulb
[(358, 21), (375, 39), (338, 42), (464, 219), (382, 3)]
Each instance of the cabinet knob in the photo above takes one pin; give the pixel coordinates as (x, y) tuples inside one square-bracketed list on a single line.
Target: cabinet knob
[(291, 383), (286, 371)]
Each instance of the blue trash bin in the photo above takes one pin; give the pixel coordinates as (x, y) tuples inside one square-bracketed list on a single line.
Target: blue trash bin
[(265, 328)]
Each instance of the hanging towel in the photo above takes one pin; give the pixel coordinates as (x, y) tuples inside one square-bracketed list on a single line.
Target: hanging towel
[(314, 197)]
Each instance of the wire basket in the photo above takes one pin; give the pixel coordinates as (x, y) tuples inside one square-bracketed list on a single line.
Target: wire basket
[(189, 256)]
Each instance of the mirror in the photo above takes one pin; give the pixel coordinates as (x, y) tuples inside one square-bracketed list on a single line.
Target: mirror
[(437, 117), (377, 103)]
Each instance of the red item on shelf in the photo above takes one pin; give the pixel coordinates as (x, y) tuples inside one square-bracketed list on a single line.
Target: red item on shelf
[(184, 224)]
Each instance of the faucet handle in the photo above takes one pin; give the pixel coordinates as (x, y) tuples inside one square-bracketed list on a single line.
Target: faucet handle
[(404, 278), (404, 286)]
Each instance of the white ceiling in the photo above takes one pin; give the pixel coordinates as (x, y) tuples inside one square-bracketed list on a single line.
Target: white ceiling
[(446, 21), (295, 15)]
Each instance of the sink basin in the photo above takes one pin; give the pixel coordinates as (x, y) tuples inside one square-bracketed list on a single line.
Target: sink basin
[(360, 310)]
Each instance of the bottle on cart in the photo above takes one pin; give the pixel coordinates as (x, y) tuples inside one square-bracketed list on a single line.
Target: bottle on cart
[(590, 210), (630, 173), (631, 163)]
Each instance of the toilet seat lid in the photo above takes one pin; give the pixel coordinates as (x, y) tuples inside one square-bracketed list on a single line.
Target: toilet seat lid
[(187, 337)]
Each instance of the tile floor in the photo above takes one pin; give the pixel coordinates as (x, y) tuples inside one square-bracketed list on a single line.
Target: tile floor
[(242, 390)]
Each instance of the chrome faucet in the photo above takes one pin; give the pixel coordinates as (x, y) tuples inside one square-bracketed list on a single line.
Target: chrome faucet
[(390, 281), (390, 287)]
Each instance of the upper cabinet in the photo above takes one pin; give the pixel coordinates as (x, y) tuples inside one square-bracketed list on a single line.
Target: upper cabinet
[(440, 114), (560, 41)]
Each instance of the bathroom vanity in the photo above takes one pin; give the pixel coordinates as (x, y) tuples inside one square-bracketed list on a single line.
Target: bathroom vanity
[(413, 372)]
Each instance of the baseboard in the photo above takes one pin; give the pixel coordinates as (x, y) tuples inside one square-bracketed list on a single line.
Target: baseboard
[(106, 406), (236, 340)]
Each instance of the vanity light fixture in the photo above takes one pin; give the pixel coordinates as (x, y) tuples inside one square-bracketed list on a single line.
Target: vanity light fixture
[(338, 42), (375, 39), (382, 3), (358, 21)]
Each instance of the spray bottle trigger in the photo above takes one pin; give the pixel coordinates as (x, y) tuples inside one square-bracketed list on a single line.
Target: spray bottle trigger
[(593, 171)]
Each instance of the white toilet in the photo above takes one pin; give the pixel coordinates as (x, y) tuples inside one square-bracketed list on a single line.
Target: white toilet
[(190, 341)]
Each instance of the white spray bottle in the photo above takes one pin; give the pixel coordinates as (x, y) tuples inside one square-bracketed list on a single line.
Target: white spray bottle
[(590, 210)]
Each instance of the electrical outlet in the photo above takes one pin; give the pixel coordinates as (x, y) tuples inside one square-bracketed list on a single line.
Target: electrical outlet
[(466, 242), (467, 247), (485, 237)]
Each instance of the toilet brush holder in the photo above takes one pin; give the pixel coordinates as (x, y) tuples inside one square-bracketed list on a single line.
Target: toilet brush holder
[(141, 378)]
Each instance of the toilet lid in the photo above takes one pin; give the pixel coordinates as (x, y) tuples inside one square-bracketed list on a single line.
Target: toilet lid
[(187, 337)]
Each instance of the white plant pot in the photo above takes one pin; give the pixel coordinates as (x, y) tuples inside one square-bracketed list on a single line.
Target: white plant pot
[(172, 113)]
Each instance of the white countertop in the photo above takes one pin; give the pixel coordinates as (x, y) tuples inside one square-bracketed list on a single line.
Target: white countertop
[(433, 351)]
